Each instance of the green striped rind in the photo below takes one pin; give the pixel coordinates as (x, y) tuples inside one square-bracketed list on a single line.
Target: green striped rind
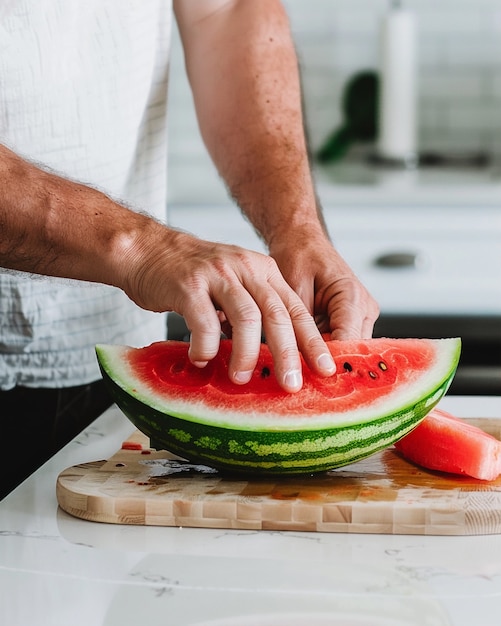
[(273, 452)]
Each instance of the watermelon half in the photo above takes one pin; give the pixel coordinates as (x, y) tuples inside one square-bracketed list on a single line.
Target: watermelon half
[(381, 390)]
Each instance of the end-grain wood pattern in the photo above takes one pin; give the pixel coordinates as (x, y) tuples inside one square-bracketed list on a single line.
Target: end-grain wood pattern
[(382, 494)]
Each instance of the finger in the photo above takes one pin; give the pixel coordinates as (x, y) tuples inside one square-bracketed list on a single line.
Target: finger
[(281, 339), (350, 326), (205, 330), (346, 307), (345, 319), (358, 317), (289, 329), (311, 343), (249, 302), (244, 317), (368, 327), (305, 291), (314, 350)]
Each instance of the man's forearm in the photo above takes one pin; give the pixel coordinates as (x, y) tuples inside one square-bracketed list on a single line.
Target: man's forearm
[(243, 71), (56, 227)]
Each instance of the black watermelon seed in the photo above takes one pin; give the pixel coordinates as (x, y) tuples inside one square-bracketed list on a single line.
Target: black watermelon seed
[(347, 366), (382, 366), (265, 372), (372, 374)]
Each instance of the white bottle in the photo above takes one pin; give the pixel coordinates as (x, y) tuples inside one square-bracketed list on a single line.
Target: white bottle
[(397, 107)]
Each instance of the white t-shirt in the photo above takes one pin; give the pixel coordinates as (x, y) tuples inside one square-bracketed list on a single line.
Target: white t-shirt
[(83, 91)]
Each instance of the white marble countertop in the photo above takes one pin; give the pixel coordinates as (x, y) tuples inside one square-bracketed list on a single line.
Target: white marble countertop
[(56, 570)]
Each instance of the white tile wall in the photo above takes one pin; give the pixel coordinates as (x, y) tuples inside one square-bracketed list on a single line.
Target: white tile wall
[(459, 79)]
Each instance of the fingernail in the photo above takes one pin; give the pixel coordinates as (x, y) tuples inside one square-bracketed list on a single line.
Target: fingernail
[(293, 379), (242, 377), (326, 362)]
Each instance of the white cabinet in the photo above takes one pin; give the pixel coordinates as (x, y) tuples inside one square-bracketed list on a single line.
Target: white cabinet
[(457, 254)]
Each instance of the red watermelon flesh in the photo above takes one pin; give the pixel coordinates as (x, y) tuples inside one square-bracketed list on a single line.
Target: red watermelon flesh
[(366, 373), (445, 443)]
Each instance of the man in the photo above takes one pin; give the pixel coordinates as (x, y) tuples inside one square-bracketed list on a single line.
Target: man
[(82, 123)]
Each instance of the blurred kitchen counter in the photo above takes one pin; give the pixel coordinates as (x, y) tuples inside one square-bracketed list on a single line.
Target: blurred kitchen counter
[(362, 181), (359, 181), (416, 257)]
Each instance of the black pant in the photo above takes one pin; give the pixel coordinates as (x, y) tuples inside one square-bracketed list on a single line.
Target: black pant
[(36, 423)]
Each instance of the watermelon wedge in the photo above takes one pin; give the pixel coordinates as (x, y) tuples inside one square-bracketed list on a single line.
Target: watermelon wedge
[(381, 390), (446, 443)]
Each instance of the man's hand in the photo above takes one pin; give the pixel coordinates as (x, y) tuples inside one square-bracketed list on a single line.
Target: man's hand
[(341, 305), (61, 228), (208, 283)]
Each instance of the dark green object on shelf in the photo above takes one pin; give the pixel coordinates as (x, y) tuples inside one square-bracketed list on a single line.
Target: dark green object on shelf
[(359, 106)]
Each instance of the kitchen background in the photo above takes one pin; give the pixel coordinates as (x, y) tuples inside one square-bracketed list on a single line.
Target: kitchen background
[(425, 241), (458, 80)]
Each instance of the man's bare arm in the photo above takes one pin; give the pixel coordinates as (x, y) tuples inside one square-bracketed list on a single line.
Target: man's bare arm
[(244, 74), (56, 227)]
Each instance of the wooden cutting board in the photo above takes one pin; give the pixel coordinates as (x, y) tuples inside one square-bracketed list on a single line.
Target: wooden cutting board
[(382, 494)]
